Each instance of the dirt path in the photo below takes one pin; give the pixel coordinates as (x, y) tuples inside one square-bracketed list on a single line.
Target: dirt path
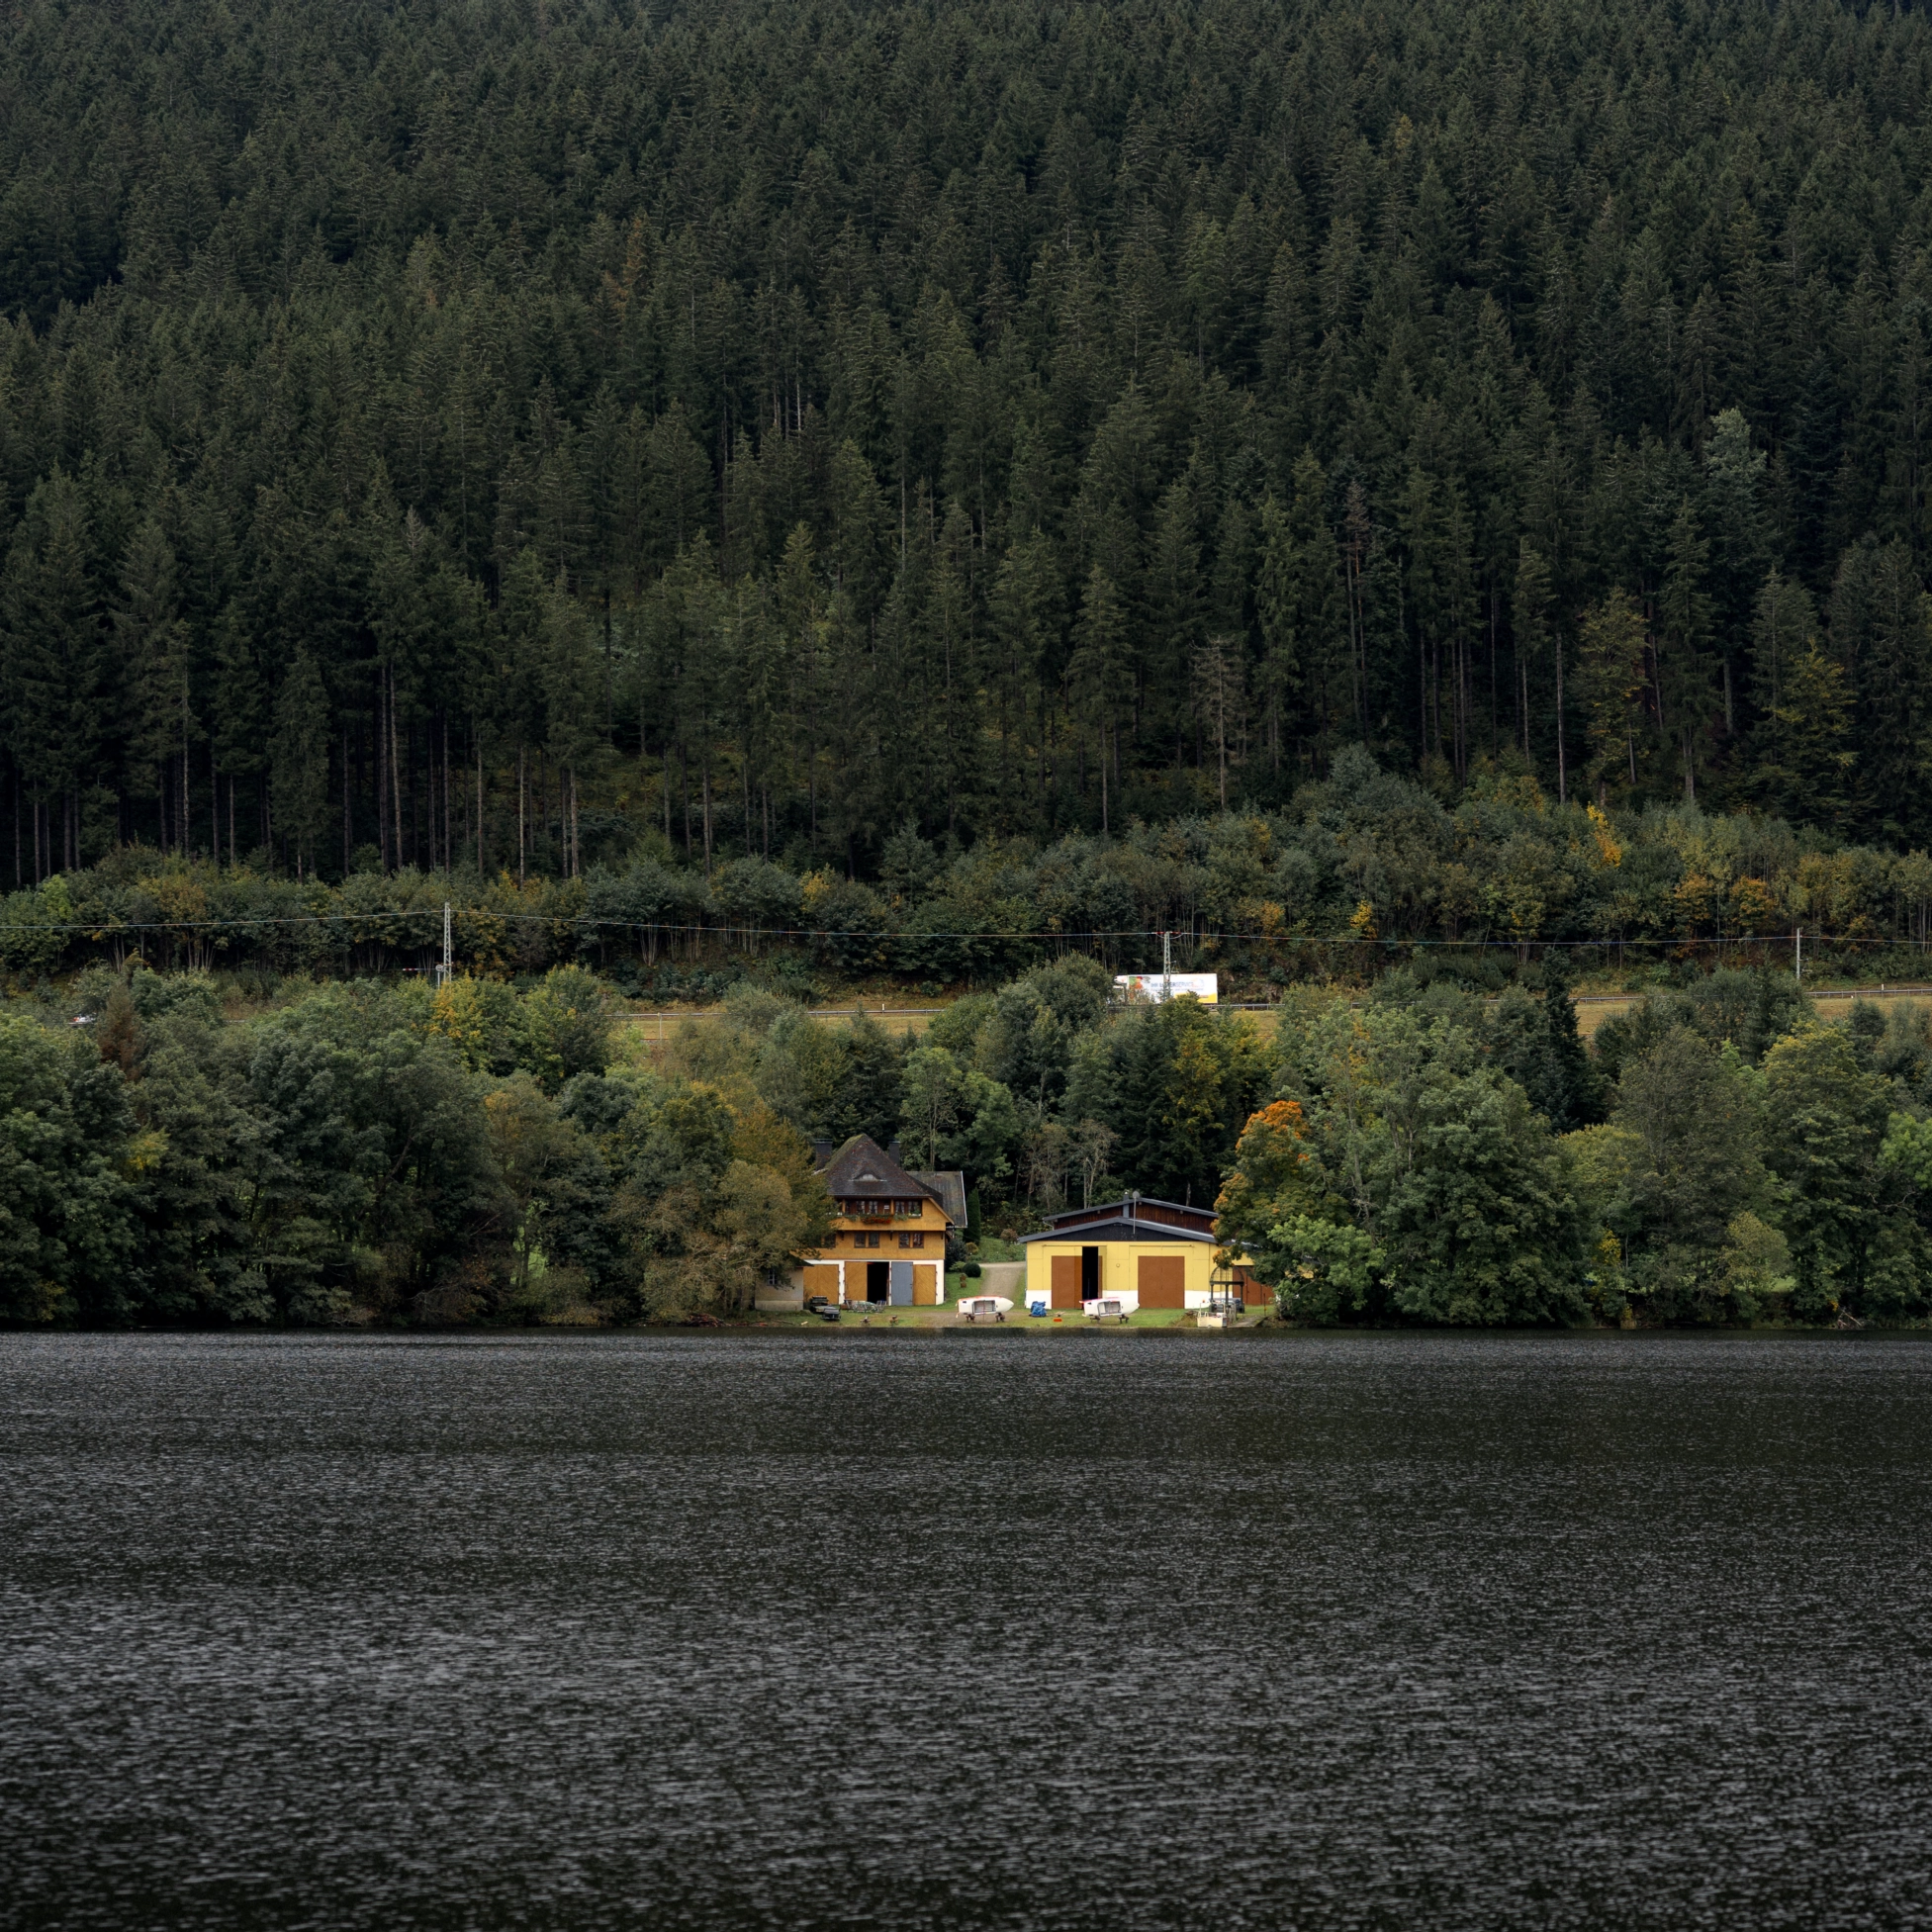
[(1593, 1009), (662, 1022)]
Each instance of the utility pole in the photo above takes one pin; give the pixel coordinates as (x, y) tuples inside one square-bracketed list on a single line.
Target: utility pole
[(1166, 967), (1797, 957), (443, 972)]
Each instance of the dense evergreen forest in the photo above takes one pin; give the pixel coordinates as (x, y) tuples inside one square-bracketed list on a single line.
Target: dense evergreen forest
[(739, 502), (469, 439), (1365, 869)]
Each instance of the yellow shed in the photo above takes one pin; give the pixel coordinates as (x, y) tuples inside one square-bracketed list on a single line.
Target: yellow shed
[(1142, 1253)]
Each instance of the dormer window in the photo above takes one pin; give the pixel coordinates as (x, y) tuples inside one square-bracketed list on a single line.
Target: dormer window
[(871, 1187)]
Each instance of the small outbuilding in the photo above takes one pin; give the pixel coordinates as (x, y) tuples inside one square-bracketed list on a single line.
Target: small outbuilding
[(1142, 1253)]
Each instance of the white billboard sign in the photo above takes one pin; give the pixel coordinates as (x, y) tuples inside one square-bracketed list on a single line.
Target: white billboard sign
[(1156, 986)]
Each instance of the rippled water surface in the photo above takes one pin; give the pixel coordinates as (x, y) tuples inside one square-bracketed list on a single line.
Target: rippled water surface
[(964, 1631)]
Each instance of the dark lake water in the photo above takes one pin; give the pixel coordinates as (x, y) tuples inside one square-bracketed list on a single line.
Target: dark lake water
[(1073, 1631)]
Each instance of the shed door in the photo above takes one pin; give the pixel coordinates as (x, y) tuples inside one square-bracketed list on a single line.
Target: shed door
[(1163, 1281), (902, 1284), (1066, 1281)]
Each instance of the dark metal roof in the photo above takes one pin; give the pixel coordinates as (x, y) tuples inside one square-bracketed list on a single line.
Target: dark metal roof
[(1139, 1208), (1093, 1233), (947, 1186)]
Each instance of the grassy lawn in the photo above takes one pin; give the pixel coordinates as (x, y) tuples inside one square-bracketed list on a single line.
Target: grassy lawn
[(1142, 1318), (949, 1316)]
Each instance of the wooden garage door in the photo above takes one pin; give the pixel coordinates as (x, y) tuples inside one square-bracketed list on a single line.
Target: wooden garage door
[(1163, 1280), (1066, 1281)]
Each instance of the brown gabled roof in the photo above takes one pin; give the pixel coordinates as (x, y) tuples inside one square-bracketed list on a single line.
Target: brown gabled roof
[(863, 1171)]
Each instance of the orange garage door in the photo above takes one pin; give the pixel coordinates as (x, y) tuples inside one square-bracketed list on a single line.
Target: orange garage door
[(1066, 1281), (1163, 1281)]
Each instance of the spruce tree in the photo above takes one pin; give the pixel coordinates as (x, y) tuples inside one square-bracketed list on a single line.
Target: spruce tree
[(153, 677), (51, 615), (299, 762)]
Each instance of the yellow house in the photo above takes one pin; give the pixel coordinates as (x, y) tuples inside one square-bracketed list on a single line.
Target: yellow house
[(1140, 1252), (888, 1240)]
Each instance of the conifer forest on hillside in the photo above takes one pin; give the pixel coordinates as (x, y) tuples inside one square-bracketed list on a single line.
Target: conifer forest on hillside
[(1409, 501), (482, 436)]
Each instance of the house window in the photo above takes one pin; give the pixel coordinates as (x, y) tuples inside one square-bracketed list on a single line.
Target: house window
[(912, 1241), (907, 1210)]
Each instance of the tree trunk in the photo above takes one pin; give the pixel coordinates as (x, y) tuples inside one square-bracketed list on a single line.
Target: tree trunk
[(708, 806), (382, 769), (395, 769), (1423, 691), (1562, 776)]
